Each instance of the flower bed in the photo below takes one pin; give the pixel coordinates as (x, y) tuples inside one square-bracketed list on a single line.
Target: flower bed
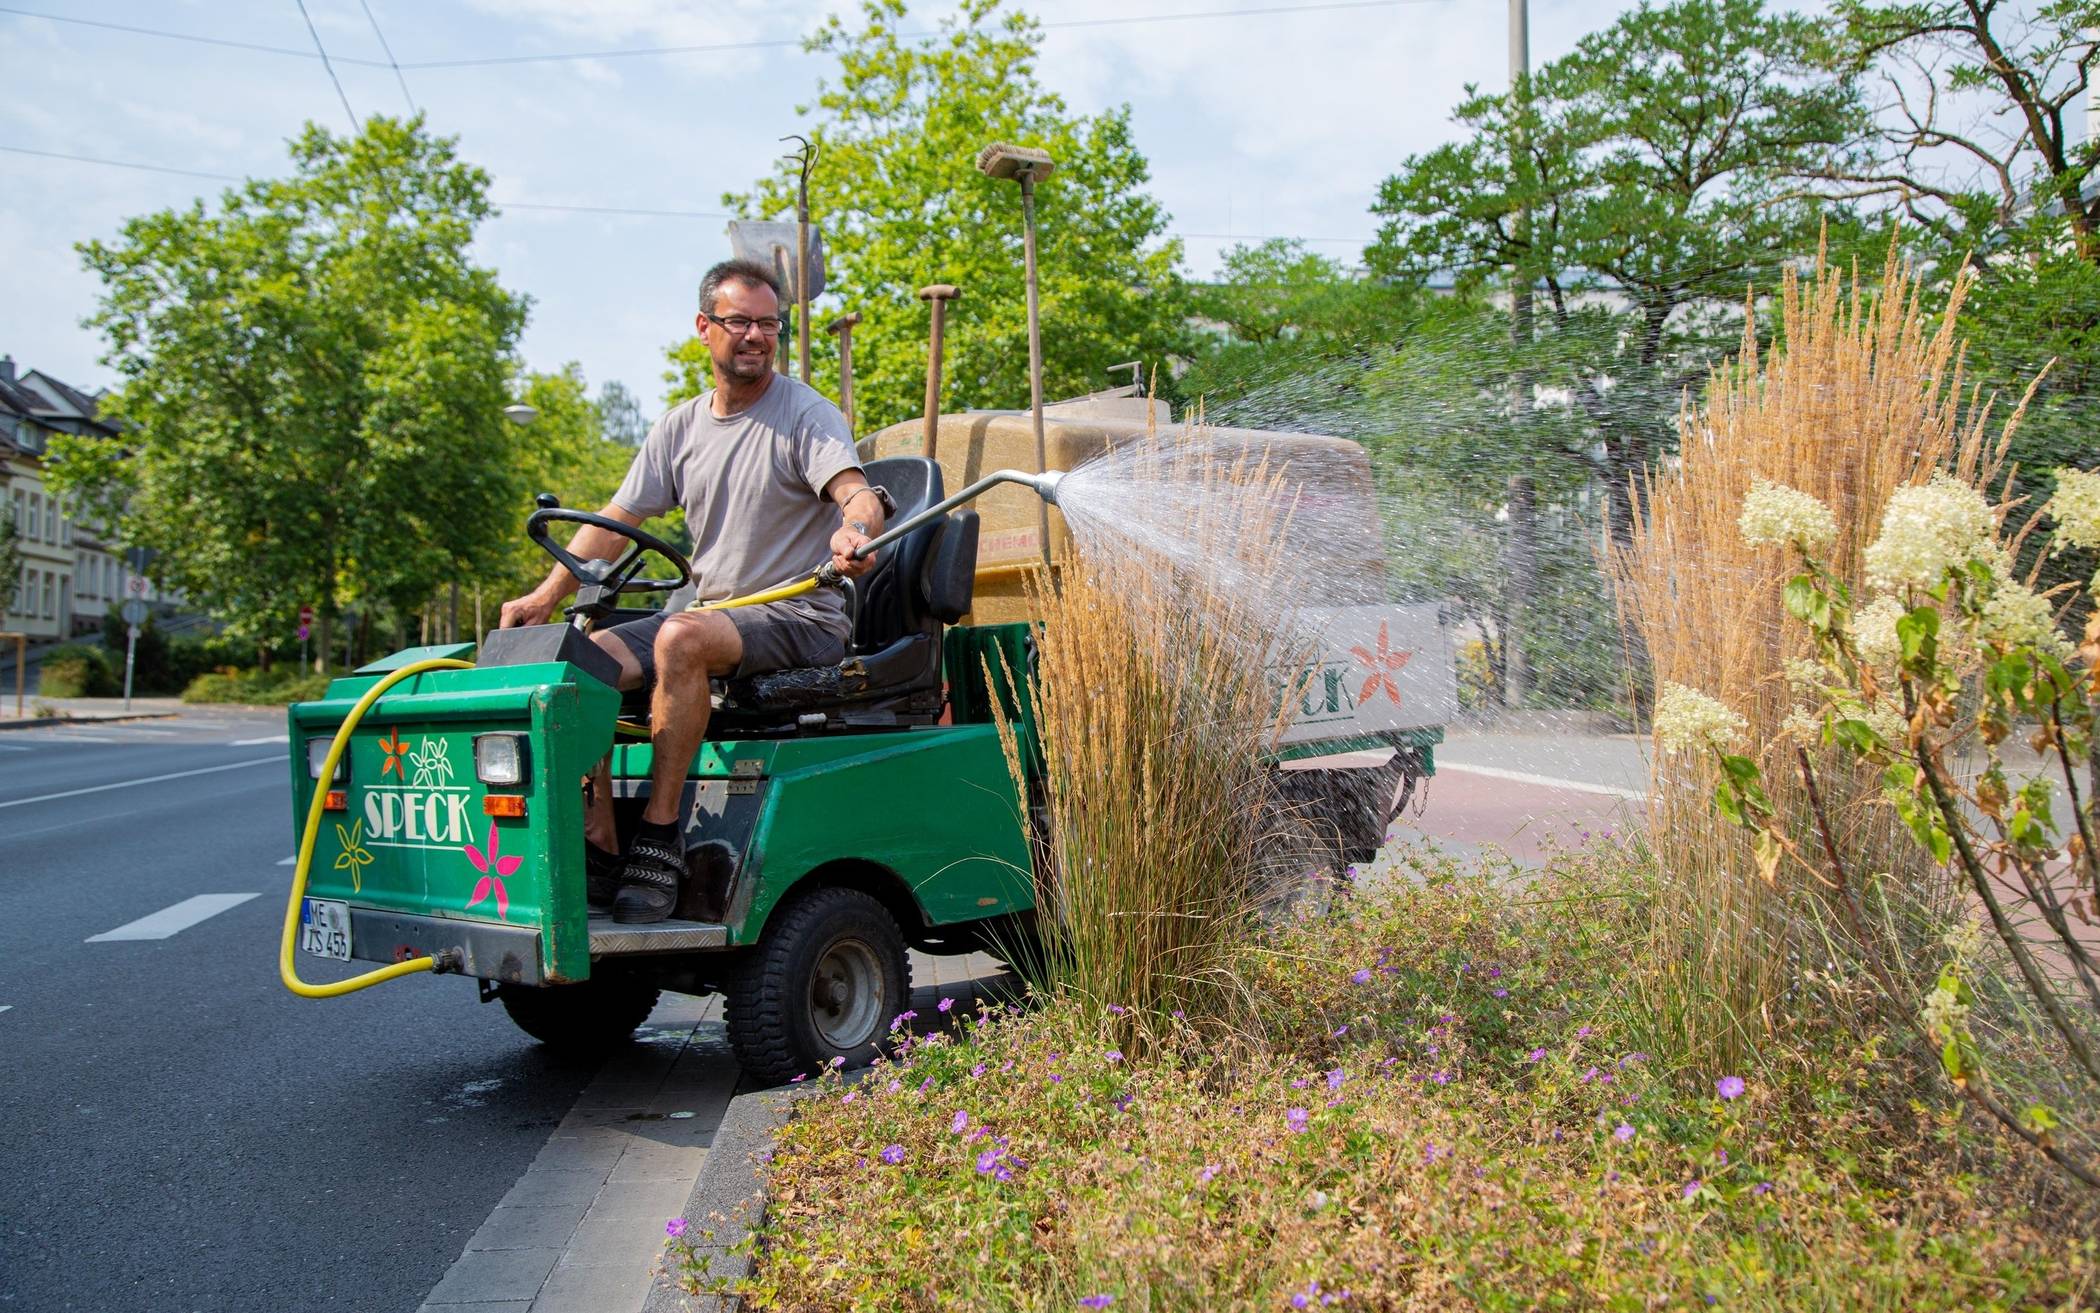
[(1446, 1107)]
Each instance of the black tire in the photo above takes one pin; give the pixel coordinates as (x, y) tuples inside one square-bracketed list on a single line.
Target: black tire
[(840, 941), (583, 1020)]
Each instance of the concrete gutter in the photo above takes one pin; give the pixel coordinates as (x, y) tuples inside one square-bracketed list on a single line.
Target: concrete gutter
[(728, 1201)]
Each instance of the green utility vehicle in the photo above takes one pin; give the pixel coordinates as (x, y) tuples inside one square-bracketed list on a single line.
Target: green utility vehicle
[(834, 818)]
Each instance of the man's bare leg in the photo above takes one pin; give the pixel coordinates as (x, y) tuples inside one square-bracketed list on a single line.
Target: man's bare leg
[(690, 649), (600, 829)]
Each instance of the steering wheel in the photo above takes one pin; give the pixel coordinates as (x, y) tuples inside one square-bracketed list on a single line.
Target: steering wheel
[(613, 577)]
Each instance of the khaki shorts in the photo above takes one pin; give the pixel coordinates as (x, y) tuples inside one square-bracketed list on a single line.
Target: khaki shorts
[(777, 636)]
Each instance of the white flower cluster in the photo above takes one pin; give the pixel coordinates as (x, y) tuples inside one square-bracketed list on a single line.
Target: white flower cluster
[(1965, 940), (1927, 530), (2016, 615), (1805, 676), (2076, 507), (1687, 719), (1874, 632), (1775, 515), (1804, 726), (1943, 1014)]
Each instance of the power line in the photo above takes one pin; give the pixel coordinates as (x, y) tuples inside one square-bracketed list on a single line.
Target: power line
[(633, 212), (389, 56), (325, 64), (629, 52)]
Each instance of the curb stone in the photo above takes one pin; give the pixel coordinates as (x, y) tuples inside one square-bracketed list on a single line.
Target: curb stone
[(729, 1198), (39, 722)]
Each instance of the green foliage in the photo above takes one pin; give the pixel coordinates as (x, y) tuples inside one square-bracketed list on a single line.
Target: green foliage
[(897, 129), (1639, 184), (10, 560), (277, 687), (313, 375), (570, 456), (79, 670), (1442, 1109), (620, 417)]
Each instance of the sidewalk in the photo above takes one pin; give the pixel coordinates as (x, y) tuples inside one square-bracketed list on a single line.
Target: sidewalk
[(79, 710)]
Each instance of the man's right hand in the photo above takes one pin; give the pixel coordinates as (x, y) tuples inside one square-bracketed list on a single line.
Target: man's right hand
[(534, 608)]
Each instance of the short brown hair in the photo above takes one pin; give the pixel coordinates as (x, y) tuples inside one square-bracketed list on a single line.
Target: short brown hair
[(737, 271)]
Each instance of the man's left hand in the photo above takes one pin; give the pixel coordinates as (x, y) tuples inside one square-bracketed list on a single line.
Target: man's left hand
[(843, 545)]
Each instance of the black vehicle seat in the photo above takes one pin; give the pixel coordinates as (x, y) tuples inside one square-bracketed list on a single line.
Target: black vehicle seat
[(891, 673)]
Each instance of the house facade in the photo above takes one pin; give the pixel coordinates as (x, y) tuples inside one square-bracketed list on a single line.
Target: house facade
[(69, 572)]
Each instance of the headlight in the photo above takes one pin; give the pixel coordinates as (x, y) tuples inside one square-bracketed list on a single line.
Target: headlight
[(317, 755), (500, 759)]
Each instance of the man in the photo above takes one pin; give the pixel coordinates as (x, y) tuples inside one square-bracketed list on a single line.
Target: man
[(759, 463)]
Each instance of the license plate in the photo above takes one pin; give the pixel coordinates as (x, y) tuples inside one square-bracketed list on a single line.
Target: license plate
[(324, 928)]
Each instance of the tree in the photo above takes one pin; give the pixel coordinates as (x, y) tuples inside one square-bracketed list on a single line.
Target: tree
[(620, 417), (1641, 184), (898, 127), (569, 454), (313, 377), (10, 561)]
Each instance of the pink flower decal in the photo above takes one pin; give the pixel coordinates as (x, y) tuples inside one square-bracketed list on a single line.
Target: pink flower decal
[(493, 869)]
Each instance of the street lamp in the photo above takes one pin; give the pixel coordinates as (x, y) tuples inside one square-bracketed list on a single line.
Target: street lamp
[(521, 413)]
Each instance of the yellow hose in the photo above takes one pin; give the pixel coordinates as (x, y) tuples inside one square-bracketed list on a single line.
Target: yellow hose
[(286, 971)]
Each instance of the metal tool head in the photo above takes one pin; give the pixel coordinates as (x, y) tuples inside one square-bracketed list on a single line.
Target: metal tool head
[(940, 292), (842, 323), (1002, 160)]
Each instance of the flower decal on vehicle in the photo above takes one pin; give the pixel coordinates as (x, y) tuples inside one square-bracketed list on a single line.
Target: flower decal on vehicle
[(355, 856), (433, 768), (395, 747), (493, 869), (1383, 665)]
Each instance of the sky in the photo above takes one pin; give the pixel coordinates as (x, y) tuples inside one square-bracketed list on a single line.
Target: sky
[(1260, 118)]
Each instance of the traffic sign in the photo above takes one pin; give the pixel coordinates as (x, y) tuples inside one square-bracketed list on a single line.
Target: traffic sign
[(137, 586), (306, 617), (303, 632), (134, 612)]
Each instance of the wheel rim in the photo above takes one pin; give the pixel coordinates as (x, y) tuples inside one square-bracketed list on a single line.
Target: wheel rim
[(845, 995)]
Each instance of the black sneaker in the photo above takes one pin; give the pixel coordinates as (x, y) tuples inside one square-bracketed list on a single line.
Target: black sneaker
[(649, 880), (601, 878)]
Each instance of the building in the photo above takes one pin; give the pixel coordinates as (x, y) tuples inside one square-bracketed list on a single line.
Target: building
[(70, 572)]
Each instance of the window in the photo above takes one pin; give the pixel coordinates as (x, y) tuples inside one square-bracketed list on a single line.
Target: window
[(50, 596), (34, 528), (31, 598)]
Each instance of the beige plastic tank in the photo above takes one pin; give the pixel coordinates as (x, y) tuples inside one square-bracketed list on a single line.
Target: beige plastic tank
[(974, 443)]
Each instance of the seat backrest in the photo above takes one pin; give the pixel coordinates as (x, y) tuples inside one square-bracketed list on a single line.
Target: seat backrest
[(889, 601)]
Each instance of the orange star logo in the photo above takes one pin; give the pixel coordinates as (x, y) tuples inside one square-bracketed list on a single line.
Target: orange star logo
[(1383, 665), (395, 749)]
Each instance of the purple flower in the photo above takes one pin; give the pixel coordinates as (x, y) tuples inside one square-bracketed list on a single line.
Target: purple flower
[(1179, 1015), (962, 1120), (1536, 1054), (1123, 1100), (1295, 1119), (1583, 1033), (1335, 1078), (1624, 1133), (1589, 1075), (987, 1160), (1339, 1031), (945, 1004), (1097, 1301), (838, 1060), (1432, 1151), (675, 1227), (1363, 976), (1301, 1082), (1501, 993), (1762, 1187), (1209, 1172), (1056, 1078), (1117, 1008), (1729, 1087), (798, 1078), (926, 1085), (977, 1071), (1494, 973), (893, 1154), (1441, 1077), (1691, 1187), (1002, 1174), (1115, 1055)]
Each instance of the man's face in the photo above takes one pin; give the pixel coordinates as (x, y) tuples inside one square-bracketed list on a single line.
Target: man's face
[(746, 357)]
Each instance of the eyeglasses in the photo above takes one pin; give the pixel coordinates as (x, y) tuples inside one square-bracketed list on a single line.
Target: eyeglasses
[(738, 325)]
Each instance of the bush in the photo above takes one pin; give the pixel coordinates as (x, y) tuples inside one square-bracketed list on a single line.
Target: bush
[(270, 688), (79, 670)]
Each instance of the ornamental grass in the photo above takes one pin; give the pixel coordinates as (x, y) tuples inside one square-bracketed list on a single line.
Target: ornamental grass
[(1160, 833), (1863, 396)]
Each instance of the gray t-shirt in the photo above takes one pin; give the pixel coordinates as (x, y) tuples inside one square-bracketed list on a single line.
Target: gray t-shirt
[(752, 485)]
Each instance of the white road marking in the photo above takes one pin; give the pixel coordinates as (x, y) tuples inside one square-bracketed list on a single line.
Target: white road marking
[(53, 736), (130, 730), (293, 860), (250, 743), (174, 920), (7, 1007), (150, 779), (1543, 781), (9, 747)]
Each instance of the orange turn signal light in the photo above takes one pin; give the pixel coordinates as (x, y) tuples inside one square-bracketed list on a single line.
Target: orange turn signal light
[(338, 800), (503, 804)]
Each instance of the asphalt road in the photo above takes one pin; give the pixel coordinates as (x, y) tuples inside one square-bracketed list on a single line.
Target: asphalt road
[(181, 1133)]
